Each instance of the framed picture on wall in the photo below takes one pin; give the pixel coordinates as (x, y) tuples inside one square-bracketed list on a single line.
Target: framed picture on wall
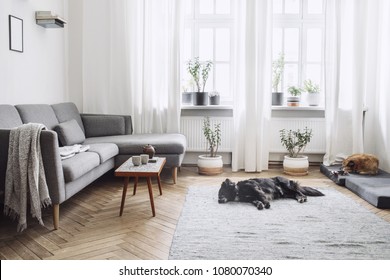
[(15, 33)]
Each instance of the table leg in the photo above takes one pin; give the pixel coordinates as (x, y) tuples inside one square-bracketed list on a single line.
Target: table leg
[(151, 195), (126, 183), (159, 183), (135, 185)]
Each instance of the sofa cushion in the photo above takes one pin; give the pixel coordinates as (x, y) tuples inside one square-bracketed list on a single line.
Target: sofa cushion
[(170, 143), (38, 113), (9, 116), (80, 164), (67, 111), (96, 125), (69, 133), (104, 150)]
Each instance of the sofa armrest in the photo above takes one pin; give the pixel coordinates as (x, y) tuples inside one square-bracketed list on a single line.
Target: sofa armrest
[(96, 125), (53, 166), (51, 161)]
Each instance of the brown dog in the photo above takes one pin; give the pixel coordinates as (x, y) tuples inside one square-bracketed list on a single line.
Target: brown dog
[(364, 164)]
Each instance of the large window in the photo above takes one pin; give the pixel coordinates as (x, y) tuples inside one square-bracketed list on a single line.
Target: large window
[(209, 36), (299, 35)]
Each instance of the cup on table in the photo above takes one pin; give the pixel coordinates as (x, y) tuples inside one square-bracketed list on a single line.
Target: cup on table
[(136, 160), (144, 158)]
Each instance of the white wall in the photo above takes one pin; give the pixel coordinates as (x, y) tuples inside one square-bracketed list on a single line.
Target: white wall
[(38, 75), (75, 51)]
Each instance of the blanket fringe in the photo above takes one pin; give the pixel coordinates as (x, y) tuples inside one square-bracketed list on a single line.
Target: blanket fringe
[(46, 202), (10, 213)]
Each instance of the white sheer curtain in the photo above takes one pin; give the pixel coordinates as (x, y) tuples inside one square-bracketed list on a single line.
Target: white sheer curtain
[(377, 130), (131, 61), (345, 79), (252, 85), (357, 76)]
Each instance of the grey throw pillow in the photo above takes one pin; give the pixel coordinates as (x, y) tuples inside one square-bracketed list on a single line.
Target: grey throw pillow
[(70, 133)]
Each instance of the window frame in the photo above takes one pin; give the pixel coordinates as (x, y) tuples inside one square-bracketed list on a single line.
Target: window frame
[(194, 22), (303, 21)]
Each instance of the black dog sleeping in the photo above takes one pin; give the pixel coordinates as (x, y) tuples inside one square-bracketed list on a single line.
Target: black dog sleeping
[(260, 191)]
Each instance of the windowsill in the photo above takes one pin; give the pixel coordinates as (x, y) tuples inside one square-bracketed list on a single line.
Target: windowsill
[(298, 108), (207, 107)]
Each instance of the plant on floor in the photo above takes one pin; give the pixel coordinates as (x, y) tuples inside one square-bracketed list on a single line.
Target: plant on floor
[(212, 135), (295, 141), (199, 72)]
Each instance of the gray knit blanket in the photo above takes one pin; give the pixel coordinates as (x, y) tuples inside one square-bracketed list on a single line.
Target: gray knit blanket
[(25, 183)]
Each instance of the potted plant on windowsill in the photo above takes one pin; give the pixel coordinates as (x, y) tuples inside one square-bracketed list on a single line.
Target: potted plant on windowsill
[(215, 99), (211, 164), (295, 96), (313, 92), (186, 93), (200, 73), (277, 72), (295, 141)]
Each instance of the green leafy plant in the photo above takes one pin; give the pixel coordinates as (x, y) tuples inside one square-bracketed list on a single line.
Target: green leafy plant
[(199, 70), (295, 91), (310, 87), (277, 71), (295, 141), (212, 135)]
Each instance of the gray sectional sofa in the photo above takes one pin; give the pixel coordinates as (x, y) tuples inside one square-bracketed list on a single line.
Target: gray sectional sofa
[(109, 136)]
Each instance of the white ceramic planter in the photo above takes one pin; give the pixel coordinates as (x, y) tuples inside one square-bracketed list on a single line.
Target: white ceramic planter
[(313, 99), (298, 166), (210, 165)]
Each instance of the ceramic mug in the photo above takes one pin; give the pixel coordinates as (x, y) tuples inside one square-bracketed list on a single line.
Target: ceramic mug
[(144, 158), (136, 160)]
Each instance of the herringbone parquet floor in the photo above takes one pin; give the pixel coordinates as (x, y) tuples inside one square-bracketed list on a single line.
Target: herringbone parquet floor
[(90, 226)]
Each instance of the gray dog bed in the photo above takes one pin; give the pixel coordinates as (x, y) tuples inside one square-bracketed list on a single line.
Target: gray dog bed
[(375, 189)]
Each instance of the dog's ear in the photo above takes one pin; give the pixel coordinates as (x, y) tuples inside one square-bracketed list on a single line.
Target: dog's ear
[(229, 182)]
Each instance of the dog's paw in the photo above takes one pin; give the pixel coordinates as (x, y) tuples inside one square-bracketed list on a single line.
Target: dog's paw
[(267, 205), (302, 199), (259, 205)]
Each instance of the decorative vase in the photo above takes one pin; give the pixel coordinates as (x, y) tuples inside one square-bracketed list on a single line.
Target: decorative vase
[(186, 98), (293, 101), (215, 100), (210, 165), (277, 98), (297, 166), (200, 98), (150, 150)]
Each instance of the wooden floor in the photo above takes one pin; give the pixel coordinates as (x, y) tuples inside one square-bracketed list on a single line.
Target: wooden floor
[(90, 226)]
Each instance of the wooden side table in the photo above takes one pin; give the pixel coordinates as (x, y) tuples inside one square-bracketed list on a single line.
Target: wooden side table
[(149, 170)]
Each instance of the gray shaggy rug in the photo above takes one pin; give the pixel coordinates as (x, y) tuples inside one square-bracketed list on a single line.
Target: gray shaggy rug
[(329, 227)]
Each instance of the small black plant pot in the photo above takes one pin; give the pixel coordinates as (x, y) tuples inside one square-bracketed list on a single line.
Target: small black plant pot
[(215, 100), (200, 98)]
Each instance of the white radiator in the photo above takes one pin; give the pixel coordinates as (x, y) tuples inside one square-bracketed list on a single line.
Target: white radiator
[(317, 144), (191, 127)]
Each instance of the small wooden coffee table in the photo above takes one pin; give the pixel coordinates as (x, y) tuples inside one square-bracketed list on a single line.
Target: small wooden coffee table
[(149, 170)]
